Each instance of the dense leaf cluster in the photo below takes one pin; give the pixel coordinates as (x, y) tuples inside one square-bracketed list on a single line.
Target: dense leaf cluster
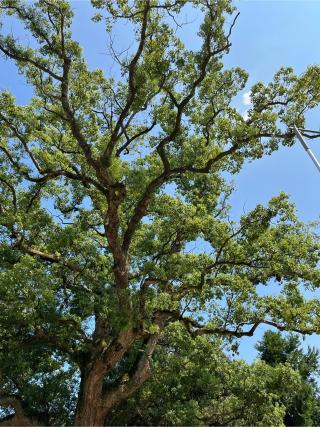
[(114, 222), (197, 384)]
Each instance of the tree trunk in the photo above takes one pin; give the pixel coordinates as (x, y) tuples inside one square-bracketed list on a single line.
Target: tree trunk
[(94, 404), (92, 408), (89, 410), (90, 416)]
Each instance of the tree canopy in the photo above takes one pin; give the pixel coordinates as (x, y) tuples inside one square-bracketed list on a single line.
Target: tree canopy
[(106, 185)]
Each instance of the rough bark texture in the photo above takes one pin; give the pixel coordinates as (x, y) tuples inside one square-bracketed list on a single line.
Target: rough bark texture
[(89, 402), (92, 408), (94, 404)]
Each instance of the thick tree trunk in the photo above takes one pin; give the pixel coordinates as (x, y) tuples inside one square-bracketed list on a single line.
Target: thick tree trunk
[(89, 410), (93, 414), (90, 415), (92, 406)]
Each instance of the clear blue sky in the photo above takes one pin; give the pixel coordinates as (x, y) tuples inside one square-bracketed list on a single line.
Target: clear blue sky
[(268, 34)]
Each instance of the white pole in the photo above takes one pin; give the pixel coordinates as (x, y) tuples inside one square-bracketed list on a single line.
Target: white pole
[(305, 146)]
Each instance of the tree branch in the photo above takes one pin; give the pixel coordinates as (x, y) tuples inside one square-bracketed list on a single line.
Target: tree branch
[(55, 259), (132, 90), (141, 207), (195, 328), (140, 376)]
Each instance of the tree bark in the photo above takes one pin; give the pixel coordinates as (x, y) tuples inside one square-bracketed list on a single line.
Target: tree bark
[(92, 407), (95, 404), (89, 408)]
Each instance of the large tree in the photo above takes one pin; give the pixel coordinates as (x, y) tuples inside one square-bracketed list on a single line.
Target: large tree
[(107, 185)]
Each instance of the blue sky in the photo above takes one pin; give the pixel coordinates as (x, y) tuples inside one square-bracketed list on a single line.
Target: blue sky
[(268, 34)]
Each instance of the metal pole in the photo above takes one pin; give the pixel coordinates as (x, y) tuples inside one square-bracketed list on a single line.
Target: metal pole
[(305, 146)]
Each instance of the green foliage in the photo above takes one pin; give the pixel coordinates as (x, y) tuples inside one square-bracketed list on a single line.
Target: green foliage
[(45, 384), (114, 211), (197, 384), (303, 408)]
